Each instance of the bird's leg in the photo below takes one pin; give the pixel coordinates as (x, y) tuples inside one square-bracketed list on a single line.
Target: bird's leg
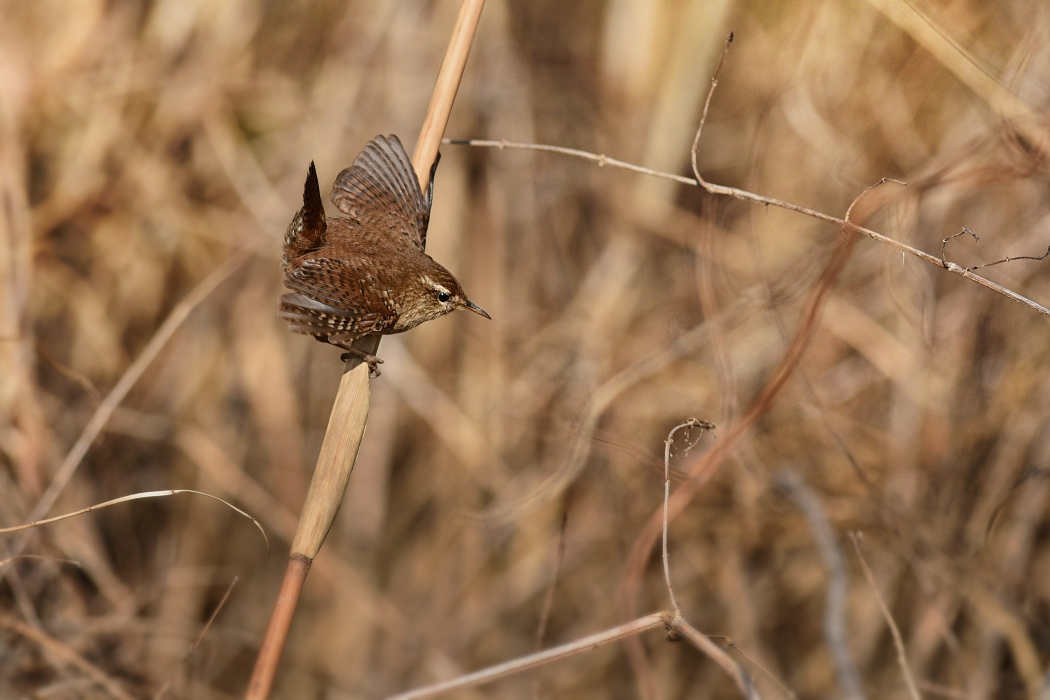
[(369, 359)]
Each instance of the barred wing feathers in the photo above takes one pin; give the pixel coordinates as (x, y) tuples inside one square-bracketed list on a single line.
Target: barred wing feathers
[(328, 299), (380, 190)]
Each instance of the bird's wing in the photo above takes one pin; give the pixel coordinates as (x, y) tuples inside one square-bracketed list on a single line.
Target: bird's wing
[(381, 191), (338, 296)]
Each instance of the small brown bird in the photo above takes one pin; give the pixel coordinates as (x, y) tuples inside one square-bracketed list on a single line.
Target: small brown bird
[(366, 274)]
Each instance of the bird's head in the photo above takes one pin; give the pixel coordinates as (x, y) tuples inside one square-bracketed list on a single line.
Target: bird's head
[(434, 293)]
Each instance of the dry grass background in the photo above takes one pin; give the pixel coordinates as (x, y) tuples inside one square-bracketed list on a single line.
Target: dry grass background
[(144, 143)]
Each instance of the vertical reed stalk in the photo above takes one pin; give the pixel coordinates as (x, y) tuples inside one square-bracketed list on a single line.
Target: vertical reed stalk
[(346, 425)]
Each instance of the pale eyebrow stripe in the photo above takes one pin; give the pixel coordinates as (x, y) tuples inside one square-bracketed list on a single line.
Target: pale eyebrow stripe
[(427, 280)]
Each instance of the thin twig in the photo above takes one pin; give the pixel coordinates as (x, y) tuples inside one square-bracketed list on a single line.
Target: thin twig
[(705, 468), (744, 195), (732, 645), (1012, 258), (548, 598), (688, 425), (601, 160), (898, 642), (68, 373), (704, 644), (1008, 258), (200, 638), (944, 241), (707, 106)]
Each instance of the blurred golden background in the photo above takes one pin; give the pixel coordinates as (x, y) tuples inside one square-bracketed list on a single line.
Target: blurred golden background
[(144, 145)]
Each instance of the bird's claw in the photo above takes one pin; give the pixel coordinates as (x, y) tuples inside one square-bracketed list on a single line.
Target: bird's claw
[(372, 361)]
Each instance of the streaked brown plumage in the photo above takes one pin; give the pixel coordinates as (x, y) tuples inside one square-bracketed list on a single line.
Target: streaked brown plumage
[(367, 273)]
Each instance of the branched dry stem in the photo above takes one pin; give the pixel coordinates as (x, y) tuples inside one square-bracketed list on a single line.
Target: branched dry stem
[(671, 621), (944, 241), (526, 663), (704, 644), (708, 466), (736, 193), (1012, 258), (707, 106)]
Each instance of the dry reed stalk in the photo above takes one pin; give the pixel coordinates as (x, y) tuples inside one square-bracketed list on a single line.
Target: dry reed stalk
[(346, 424)]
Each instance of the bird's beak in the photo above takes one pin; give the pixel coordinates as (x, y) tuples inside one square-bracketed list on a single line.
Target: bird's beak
[(476, 309)]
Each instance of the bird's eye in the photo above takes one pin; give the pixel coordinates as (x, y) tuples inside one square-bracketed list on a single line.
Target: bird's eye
[(443, 296)]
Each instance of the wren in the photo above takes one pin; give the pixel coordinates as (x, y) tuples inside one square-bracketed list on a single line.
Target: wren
[(366, 273)]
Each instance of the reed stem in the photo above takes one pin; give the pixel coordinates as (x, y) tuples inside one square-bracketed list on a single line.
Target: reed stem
[(346, 424)]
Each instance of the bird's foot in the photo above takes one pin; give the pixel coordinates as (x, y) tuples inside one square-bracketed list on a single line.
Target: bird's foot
[(369, 359)]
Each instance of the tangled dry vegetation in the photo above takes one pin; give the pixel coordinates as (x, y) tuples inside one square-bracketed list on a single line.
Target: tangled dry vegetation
[(142, 144)]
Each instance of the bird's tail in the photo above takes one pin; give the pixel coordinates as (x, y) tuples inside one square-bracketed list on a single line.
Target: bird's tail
[(311, 317), (307, 231)]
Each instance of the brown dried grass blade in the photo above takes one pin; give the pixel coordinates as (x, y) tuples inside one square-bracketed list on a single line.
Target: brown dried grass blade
[(135, 497)]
